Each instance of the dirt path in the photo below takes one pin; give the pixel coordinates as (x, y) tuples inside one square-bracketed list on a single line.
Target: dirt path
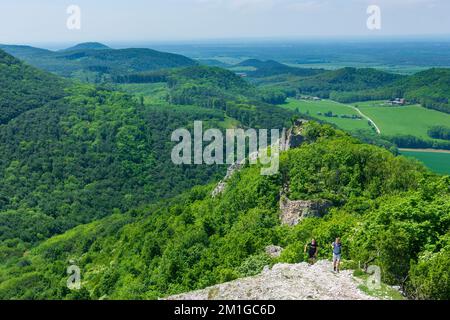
[(367, 117), (286, 282)]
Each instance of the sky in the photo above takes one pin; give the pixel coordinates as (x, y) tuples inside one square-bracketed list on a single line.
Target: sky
[(45, 21)]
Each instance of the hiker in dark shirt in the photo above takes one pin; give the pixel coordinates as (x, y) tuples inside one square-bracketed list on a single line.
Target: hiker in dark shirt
[(312, 251), (337, 249)]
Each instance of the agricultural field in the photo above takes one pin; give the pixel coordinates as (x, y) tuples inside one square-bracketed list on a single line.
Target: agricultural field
[(314, 107), (400, 69), (438, 162), (403, 120)]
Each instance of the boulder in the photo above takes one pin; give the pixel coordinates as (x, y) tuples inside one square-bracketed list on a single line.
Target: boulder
[(274, 251)]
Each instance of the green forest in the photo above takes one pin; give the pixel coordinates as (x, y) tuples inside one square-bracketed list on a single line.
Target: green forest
[(388, 210), (97, 63), (86, 176)]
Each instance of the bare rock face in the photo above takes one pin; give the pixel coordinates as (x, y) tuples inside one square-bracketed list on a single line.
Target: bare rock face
[(223, 183), (292, 212), (291, 138), (287, 282), (274, 251), (294, 136)]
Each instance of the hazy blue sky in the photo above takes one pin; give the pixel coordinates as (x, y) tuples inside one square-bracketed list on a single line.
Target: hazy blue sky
[(41, 21)]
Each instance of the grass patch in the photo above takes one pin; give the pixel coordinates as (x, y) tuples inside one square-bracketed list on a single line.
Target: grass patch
[(384, 292)]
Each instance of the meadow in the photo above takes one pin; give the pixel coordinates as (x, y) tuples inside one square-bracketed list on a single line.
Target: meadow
[(314, 107), (403, 120), (438, 162)]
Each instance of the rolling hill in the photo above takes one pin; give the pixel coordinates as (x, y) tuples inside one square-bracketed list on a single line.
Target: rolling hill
[(346, 80), (430, 88), (272, 68), (88, 46), (73, 153), (87, 63), (24, 88), (81, 152)]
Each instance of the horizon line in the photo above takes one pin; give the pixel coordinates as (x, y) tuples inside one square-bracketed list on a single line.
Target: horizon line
[(255, 39)]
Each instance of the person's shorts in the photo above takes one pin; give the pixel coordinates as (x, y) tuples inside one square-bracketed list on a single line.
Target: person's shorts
[(336, 257)]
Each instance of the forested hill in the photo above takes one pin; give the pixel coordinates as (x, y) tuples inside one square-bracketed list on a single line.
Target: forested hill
[(91, 151), (93, 65), (219, 89), (430, 88), (88, 46), (23, 87), (346, 80), (87, 155), (389, 211), (271, 68)]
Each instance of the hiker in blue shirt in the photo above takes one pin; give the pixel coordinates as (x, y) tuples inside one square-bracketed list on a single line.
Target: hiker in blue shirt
[(337, 249)]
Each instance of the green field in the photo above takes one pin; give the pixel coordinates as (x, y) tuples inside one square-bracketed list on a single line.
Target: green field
[(313, 107), (438, 162), (405, 69), (405, 120)]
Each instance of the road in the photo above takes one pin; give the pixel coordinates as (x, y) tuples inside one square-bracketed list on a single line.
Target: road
[(366, 117)]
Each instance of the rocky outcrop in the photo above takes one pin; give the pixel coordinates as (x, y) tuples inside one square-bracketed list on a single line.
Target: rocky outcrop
[(274, 251), (292, 212), (286, 282), (291, 138), (223, 183), (294, 136)]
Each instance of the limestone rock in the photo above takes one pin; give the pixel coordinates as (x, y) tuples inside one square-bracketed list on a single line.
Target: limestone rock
[(292, 212), (274, 251), (223, 183), (286, 282), (294, 136), (291, 138)]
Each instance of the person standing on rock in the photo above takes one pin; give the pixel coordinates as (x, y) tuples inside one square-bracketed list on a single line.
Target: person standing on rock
[(337, 249), (312, 248)]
